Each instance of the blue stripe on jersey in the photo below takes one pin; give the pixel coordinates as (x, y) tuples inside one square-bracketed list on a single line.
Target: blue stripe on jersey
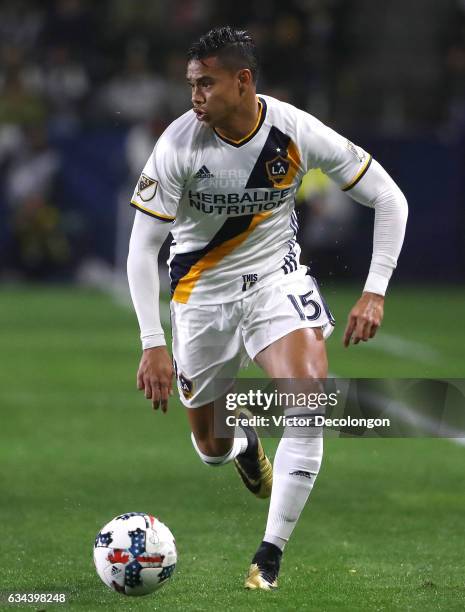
[(182, 262), (290, 262), (294, 222), (276, 141)]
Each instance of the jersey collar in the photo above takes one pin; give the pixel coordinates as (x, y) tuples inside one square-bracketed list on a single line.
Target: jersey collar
[(250, 135)]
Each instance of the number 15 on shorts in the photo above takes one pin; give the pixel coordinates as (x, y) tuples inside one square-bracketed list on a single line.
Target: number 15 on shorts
[(306, 308)]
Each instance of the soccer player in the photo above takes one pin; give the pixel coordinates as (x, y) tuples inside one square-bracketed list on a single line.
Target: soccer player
[(222, 179)]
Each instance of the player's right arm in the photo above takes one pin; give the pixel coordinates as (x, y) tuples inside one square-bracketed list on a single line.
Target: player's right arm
[(155, 373), (156, 199)]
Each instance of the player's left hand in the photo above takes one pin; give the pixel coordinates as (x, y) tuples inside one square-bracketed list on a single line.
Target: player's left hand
[(364, 318)]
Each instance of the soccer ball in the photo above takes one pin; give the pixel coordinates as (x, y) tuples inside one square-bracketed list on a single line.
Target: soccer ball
[(135, 554)]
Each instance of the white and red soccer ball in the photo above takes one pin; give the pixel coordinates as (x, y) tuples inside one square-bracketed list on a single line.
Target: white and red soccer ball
[(135, 554)]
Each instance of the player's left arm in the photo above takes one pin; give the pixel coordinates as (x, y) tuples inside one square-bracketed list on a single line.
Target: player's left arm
[(363, 178), (377, 190)]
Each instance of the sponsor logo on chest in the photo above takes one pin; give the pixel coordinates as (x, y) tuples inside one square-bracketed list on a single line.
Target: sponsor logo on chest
[(248, 201)]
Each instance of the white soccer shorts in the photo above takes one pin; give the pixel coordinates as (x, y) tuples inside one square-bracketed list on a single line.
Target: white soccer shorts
[(212, 342)]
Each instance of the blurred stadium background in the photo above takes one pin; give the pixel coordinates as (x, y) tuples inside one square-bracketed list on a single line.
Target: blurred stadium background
[(85, 90)]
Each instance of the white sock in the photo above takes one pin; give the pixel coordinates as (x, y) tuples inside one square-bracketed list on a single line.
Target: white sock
[(296, 466), (239, 446)]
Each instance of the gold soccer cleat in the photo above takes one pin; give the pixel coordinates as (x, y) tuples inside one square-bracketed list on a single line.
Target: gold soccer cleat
[(264, 570), (253, 466), (257, 579)]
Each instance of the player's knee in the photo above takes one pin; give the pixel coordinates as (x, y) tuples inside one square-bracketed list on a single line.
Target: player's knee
[(317, 371), (307, 370), (212, 451)]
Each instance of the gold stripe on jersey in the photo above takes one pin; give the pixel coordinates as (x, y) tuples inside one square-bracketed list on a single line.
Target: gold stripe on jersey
[(152, 213), (360, 174), (295, 161), (187, 283), (251, 134)]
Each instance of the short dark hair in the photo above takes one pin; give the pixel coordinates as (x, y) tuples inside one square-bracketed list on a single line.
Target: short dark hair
[(235, 49)]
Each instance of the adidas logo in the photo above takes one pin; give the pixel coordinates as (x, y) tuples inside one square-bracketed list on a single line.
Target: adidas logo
[(302, 473), (115, 570), (204, 173)]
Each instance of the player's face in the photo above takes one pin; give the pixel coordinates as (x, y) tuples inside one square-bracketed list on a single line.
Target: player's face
[(216, 91)]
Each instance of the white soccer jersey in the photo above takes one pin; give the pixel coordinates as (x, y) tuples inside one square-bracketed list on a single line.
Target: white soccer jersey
[(231, 203)]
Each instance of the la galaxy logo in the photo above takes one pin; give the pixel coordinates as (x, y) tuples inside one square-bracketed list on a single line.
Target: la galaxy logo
[(186, 386), (277, 169), (147, 188)]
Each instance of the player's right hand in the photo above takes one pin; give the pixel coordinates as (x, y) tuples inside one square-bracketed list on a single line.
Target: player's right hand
[(155, 376)]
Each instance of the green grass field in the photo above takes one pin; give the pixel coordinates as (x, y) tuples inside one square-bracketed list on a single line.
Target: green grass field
[(79, 445)]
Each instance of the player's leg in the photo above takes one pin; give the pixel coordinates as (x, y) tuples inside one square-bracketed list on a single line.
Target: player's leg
[(299, 354), (211, 449), (244, 448), (207, 350), (293, 351)]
